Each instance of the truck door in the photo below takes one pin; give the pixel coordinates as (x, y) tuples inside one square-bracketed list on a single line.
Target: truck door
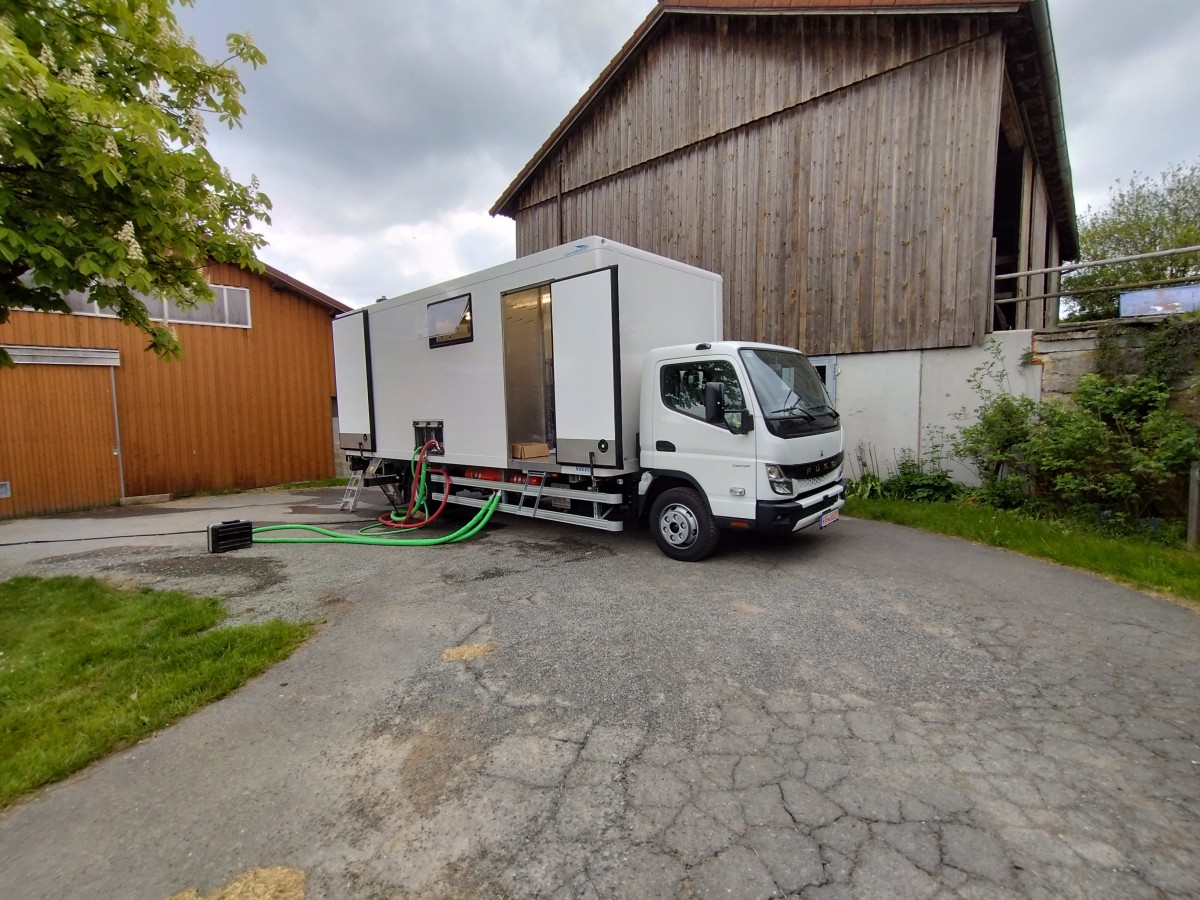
[(722, 463), (587, 374), (352, 371)]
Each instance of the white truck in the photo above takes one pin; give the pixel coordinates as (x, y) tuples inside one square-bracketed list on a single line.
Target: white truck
[(590, 384)]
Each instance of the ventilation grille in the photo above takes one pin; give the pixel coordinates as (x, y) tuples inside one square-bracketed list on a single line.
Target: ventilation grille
[(235, 534)]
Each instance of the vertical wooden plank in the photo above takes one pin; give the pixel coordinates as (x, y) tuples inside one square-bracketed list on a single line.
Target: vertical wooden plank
[(981, 212), (946, 77), (1054, 282), (1038, 220), (1024, 245)]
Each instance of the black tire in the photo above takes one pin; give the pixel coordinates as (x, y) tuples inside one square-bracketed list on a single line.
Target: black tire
[(683, 527)]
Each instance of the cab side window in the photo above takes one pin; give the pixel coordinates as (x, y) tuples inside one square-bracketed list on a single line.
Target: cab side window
[(682, 386)]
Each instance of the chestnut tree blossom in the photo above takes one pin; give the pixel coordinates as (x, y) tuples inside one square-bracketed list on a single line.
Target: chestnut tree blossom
[(106, 184)]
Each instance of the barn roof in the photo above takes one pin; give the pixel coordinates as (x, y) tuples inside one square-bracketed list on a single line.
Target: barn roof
[(284, 281), (1037, 83)]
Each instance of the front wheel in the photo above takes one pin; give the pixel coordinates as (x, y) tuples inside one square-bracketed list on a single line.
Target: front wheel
[(683, 527)]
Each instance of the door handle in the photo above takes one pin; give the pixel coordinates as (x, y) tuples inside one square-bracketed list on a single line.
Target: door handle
[(664, 446)]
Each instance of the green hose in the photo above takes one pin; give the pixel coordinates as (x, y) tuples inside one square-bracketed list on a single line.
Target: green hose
[(336, 537)]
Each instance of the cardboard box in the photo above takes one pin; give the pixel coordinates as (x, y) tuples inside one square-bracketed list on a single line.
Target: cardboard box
[(530, 450)]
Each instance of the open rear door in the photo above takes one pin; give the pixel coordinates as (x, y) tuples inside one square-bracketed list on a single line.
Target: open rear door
[(587, 373), (352, 371)]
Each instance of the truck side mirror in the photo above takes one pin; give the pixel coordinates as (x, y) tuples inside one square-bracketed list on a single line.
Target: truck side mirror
[(714, 402), (739, 421)]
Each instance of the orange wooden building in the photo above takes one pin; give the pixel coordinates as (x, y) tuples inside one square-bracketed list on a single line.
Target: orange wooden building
[(90, 417)]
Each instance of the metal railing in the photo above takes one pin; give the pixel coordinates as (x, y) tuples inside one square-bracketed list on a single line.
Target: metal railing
[(1090, 264)]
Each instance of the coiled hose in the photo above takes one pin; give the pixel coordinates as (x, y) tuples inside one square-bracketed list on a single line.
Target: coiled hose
[(387, 530)]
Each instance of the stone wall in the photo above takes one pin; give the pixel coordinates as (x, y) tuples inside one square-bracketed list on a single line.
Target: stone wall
[(1067, 354)]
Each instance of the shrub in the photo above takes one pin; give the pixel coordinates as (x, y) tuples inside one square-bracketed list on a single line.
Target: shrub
[(1117, 457), (924, 482)]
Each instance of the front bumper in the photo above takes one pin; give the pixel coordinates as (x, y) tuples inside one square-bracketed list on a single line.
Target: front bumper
[(786, 516)]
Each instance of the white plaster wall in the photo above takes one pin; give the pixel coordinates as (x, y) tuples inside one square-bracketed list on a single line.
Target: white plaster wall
[(889, 401), (878, 396), (946, 394)]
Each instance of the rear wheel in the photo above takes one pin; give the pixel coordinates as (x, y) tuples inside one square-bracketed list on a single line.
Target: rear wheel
[(683, 527)]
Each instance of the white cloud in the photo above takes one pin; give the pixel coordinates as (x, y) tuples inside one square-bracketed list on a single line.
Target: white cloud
[(457, 242)]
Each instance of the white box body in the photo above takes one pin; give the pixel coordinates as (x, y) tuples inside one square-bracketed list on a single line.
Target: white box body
[(606, 305)]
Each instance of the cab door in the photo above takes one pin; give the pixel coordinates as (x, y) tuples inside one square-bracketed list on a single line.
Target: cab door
[(720, 462)]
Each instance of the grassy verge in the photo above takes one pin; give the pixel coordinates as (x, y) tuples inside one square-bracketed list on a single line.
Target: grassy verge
[(1141, 565), (87, 668)]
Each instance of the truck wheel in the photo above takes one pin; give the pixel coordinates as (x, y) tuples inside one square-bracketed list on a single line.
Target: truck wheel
[(683, 527)]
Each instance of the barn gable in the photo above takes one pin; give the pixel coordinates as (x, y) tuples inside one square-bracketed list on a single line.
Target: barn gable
[(837, 163)]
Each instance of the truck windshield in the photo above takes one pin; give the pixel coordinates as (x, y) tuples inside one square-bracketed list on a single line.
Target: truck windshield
[(790, 392)]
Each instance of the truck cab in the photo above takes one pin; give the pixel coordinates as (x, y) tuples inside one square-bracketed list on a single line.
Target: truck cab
[(735, 435)]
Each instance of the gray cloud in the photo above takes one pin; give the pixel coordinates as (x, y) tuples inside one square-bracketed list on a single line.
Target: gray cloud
[(395, 108), (1131, 97), (380, 115), (383, 131)]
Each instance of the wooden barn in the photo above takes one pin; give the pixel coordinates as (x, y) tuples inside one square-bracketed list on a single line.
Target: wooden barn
[(858, 171), (91, 417)]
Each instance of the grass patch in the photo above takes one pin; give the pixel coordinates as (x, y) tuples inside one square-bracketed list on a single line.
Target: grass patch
[(1142, 565), (87, 668)]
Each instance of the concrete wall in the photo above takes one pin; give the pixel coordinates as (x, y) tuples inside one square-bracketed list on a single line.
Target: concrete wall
[(890, 401)]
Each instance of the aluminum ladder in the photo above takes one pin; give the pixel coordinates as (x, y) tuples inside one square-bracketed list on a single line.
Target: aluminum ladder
[(355, 485), (527, 492)]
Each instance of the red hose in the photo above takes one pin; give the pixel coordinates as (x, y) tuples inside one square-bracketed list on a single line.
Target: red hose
[(422, 464)]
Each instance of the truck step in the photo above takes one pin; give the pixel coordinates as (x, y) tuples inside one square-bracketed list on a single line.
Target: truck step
[(515, 488), (532, 513)]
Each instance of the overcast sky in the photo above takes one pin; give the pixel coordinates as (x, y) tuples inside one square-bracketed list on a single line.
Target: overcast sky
[(384, 131)]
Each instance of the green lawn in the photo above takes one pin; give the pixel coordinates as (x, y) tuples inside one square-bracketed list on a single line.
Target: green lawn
[(1142, 565), (87, 668)]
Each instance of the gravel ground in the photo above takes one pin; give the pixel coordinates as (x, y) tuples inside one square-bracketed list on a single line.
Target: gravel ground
[(863, 712)]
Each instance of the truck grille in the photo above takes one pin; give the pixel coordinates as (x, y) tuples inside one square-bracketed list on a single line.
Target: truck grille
[(813, 469)]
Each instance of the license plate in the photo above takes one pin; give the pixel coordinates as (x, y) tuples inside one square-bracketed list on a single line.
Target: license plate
[(829, 518)]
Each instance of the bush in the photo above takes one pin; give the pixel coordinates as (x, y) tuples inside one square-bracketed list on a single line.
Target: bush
[(924, 482), (1117, 458)]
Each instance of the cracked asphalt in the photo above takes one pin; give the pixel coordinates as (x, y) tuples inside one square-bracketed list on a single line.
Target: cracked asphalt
[(864, 712)]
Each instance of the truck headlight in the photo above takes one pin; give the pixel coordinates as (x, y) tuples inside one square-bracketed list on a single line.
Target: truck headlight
[(780, 483)]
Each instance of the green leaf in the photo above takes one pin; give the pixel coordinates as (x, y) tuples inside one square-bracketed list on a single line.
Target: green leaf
[(97, 148)]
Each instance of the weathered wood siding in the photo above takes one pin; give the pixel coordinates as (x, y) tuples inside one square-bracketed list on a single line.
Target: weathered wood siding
[(1038, 250), (858, 217), (243, 407), (57, 435), (706, 75)]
